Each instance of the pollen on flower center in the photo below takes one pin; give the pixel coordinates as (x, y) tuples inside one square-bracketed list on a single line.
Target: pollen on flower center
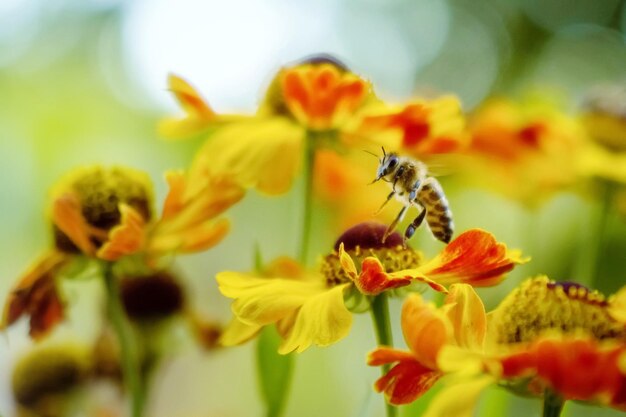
[(363, 240), (99, 191), (539, 305)]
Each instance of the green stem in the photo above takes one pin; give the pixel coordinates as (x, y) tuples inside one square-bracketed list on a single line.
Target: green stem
[(552, 404), (382, 327), (128, 349), (307, 210), (594, 240)]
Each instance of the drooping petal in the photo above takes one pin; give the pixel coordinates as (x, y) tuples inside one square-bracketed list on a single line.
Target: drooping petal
[(262, 153), (322, 320), (458, 400), (126, 238), (406, 382), (262, 301), (238, 332), (466, 313), (188, 221), (35, 295), (198, 115), (474, 257), (384, 355), (67, 216), (426, 330)]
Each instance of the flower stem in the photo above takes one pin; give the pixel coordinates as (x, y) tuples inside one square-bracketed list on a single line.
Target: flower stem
[(382, 327), (128, 348), (552, 404), (307, 210), (593, 241)]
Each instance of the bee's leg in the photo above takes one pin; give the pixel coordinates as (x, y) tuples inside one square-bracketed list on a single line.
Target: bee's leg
[(415, 224), (389, 197), (397, 177), (414, 190), (393, 224)]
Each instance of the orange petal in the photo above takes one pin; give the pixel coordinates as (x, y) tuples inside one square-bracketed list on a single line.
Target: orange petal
[(384, 355), (35, 295), (67, 216), (373, 279), (474, 257), (199, 116), (425, 329), (406, 382), (174, 200), (126, 238)]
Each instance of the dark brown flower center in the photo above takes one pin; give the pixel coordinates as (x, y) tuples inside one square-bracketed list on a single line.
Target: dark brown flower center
[(151, 297), (363, 240)]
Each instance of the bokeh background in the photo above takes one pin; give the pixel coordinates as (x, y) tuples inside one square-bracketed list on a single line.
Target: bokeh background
[(84, 81)]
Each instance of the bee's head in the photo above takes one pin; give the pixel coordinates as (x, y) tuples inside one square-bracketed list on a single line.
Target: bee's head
[(388, 165)]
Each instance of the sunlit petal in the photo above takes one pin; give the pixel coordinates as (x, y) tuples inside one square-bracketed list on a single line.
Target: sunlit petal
[(466, 313), (238, 332), (458, 400), (322, 320), (260, 153)]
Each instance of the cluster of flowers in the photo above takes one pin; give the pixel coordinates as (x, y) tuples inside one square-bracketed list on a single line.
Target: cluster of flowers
[(546, 338)]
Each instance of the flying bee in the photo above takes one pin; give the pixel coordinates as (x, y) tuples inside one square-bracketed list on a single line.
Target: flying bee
[(411, 185)]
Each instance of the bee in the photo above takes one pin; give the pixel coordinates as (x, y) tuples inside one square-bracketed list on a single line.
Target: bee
[(411, 185)]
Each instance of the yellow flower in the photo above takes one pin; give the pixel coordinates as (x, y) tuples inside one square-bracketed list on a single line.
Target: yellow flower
[(265, 150), (106, 214), (314, 308), (544, 336), (318, 104)]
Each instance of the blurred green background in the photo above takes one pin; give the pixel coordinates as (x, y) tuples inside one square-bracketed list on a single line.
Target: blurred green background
[(85, 82)]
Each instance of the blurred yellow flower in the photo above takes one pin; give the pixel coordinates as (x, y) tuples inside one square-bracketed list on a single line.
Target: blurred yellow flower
[(106, 214), (527, 150), (309, 308), (316, 105)]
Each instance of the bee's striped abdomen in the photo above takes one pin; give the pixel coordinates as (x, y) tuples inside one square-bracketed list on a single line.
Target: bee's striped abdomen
[(438, 213)]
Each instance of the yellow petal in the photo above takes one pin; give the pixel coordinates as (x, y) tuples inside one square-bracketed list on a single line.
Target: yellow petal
[(261, 301), (458, 400), (262, 153), (238, 332), (347, 263), (322, 320), (467, 315)]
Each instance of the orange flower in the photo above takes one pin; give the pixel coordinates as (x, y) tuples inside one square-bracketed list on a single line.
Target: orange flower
[(546, 337), (420, 128), (105, 214), (526, 150), (461, 321), (474, 257)]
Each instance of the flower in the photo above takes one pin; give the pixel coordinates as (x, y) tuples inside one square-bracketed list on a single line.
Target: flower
[(544, 336), (106, 214), (461, 321), (527, 150), (314, 308), (315, 105), (49, 370), (264, 151), (420, 128)]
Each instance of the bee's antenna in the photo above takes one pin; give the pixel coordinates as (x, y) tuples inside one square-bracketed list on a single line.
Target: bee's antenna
[(371, 153), (384, 153)]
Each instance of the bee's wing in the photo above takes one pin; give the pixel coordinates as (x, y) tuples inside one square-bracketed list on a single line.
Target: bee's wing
[(444, 164)]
